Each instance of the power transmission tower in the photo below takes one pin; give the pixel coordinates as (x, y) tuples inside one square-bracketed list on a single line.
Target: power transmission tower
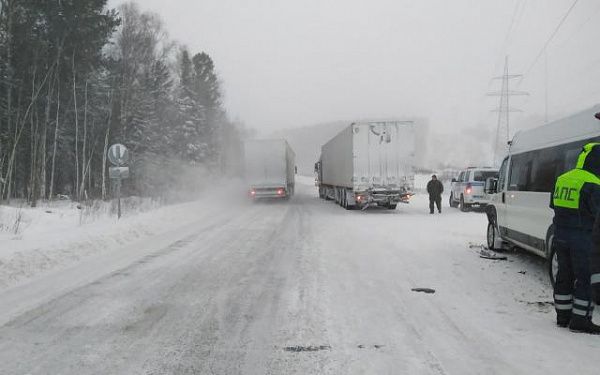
[(504, 109)]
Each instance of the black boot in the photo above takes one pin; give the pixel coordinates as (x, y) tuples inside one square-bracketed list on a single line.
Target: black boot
[(583, 325), (563, 320)]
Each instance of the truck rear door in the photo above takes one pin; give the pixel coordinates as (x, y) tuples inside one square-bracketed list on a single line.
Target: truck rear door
[(383, 154)]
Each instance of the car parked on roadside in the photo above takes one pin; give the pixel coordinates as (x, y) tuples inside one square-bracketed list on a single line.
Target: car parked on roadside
[(467, 189)]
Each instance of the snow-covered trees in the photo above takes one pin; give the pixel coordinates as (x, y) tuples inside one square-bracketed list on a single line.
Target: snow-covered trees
[(76, 77)]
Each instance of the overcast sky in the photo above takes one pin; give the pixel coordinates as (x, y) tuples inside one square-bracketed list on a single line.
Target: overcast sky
[(294, 63)]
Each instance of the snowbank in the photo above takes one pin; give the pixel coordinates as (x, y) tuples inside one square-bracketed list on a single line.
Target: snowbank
[(59, 234)]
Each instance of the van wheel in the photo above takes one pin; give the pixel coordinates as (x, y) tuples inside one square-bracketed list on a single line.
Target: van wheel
[(452, 202), (391, 206), (463, 206), (492, 235), (551, 256)]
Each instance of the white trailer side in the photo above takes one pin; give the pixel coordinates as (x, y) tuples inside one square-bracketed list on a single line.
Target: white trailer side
[(337, 160)]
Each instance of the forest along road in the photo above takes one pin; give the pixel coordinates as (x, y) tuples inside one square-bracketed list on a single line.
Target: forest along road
[(304, 287)]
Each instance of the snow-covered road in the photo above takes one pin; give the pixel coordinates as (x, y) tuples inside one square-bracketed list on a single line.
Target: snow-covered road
[(298, 287)]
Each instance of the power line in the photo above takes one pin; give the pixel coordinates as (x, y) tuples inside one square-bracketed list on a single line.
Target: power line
[(514, 20), (593, 15), (562, 21)]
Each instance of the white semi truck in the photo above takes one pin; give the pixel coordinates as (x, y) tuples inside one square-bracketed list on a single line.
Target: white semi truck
[(270, 168), (368, 164)]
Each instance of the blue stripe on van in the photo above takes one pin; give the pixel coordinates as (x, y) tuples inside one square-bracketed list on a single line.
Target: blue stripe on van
[(472, 183)]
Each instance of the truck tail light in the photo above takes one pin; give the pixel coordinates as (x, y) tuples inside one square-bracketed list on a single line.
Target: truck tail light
[(280, 192), (252, 193)]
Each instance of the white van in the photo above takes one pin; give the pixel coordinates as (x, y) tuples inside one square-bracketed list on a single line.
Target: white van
[(519, 212)]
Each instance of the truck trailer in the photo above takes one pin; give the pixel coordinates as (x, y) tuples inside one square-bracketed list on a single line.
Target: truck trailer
[(270, 168), (368, 164)]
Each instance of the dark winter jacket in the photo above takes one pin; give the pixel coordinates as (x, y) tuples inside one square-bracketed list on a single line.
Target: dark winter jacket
[(435, 188), (589, 196), (595, 261)]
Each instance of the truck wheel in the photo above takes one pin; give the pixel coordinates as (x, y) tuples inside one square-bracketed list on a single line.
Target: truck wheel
[(463, 206), (349, 206)]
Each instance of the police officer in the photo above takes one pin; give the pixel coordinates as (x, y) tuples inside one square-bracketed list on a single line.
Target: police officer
[(576, 202)]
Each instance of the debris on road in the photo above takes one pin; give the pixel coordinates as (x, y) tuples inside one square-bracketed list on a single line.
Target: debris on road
[(424, 290), (311, 348), (487, 254)]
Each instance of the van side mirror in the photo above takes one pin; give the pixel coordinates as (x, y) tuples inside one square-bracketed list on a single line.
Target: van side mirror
[(454, 180), (491, 185)]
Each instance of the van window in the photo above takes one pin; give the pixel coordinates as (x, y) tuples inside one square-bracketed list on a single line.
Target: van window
[(520, 171), (502, 175), (546, 165), (483, 175), (571, 156), (538, 170), (461, 177)]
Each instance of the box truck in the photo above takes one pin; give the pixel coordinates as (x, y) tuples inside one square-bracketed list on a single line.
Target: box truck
[(368, 164), (269, 168)]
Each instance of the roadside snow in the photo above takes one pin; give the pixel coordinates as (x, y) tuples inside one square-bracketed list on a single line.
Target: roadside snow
[(59, 234)]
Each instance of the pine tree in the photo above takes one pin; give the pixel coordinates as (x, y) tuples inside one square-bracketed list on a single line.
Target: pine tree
[(208, 96)]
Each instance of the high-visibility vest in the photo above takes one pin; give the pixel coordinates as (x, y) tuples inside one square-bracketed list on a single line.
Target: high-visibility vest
[(568, 187)]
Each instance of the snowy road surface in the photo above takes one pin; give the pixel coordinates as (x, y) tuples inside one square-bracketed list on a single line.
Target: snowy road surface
[(298, 287)]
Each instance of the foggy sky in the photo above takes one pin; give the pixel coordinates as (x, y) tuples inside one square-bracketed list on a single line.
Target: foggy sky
[(295, 63)]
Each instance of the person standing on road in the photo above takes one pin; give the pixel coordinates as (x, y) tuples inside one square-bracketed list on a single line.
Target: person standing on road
[(576, 204), (435, 188)]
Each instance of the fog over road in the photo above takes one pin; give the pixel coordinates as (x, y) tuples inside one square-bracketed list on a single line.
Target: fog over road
[(303, 287)]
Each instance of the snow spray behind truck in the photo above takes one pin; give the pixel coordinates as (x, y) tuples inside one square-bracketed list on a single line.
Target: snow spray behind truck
[(270, 168), (368, 164)]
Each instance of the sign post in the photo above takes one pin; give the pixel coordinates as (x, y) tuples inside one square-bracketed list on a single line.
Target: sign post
[(118, 155)]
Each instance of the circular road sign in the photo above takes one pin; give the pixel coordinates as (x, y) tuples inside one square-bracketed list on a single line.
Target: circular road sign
[(118, 154)]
